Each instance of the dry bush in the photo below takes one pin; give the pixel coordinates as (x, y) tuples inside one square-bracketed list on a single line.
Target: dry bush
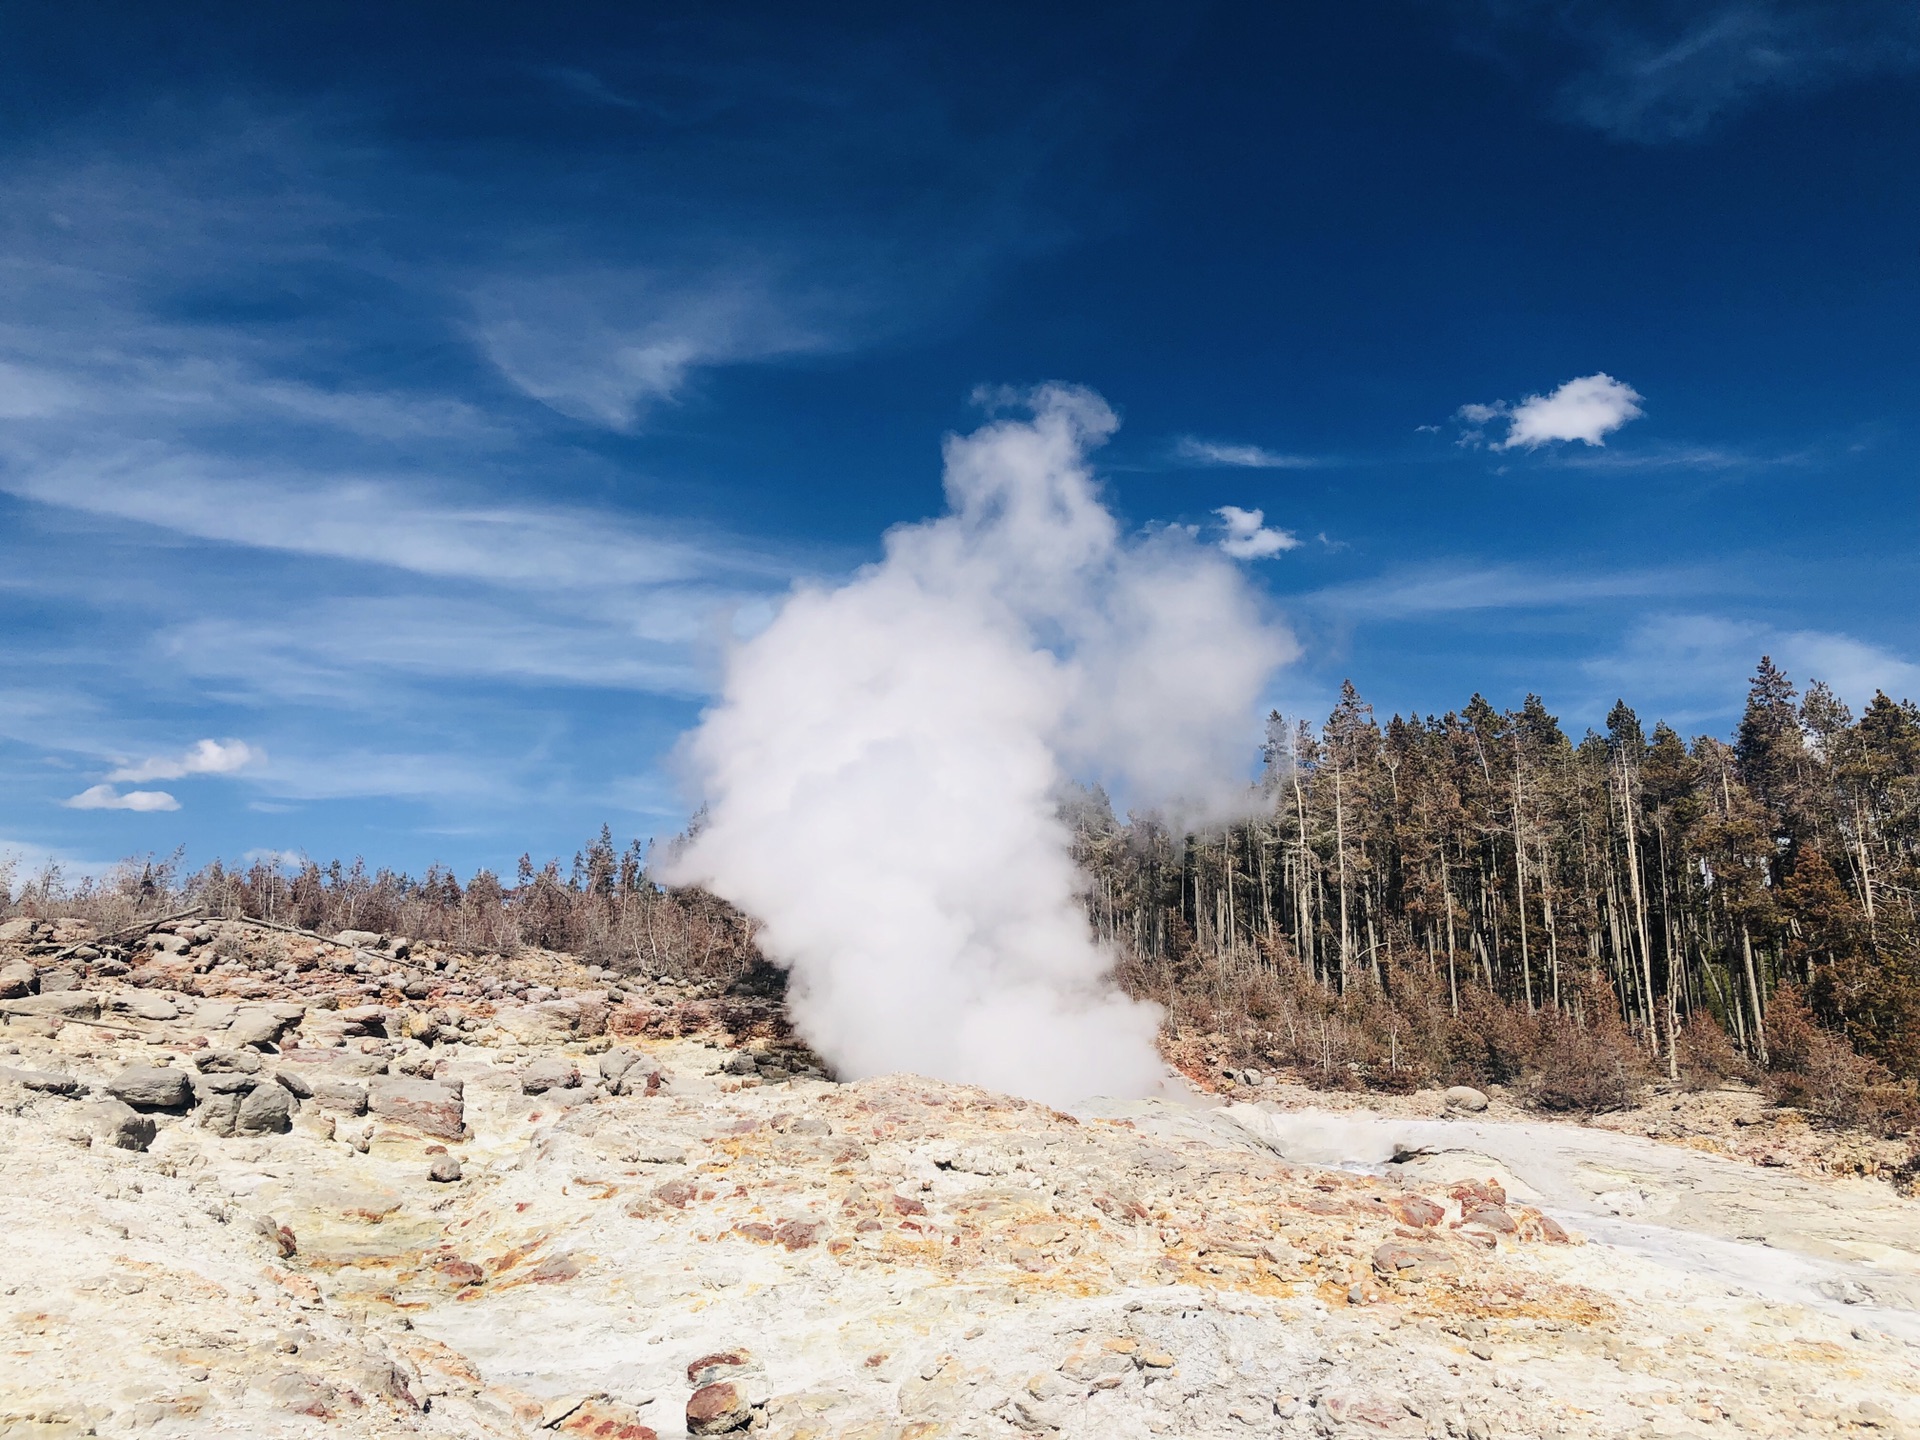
[(1708, 1059), (1590, 1068), (1812, 1069)]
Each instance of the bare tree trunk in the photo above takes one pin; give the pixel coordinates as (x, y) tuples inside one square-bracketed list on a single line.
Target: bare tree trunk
[(1753, 993)]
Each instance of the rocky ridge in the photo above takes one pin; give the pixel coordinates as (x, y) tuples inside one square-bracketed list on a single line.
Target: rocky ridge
[(268, 1183)]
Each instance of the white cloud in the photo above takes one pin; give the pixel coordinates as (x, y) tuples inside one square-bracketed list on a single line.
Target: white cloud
[(1697, 666), (1588, 409), (1248, 457), (105, 797), (1248, 537), (208, 757)]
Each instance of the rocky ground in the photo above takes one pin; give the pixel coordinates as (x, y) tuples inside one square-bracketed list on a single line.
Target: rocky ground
[(257, 1183)]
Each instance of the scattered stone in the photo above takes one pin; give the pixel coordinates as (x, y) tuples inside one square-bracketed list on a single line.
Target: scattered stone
[(344, 1096), (45, 1082), (62, 1005), (257, 1027), (118, 1124), (55, 981), (227, 1062), (1464, 1097), (427, 1105), (718, 1409), (147, 1006), (604, 1418), (739, 1063), (152, 1087), (264, 1110), (17, 978), (16, 931), (1398, 1260), (359, 938), (550, 1072), (443, 1169)]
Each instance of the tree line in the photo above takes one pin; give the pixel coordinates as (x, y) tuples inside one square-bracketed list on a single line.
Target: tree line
[(1679, 891)]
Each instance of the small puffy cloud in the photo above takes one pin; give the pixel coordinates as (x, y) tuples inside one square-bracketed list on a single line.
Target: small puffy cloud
[(1248, 537), (1588, 409), (208, 757), (1245, 457), (105, 797)]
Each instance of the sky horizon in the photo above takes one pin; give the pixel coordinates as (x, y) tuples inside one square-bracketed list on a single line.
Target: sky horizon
[(399, 413)]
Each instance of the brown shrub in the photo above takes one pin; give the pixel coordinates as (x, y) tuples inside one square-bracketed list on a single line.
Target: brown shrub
[(1590, 1067), (1812, 1069), (1708, 1058)]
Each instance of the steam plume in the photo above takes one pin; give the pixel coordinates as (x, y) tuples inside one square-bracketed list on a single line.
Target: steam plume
[(884, 766)]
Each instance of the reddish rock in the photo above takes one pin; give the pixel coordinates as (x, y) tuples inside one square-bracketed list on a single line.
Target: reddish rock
[(1479, 1192), (461, 1273), (1491, 1217), (797, 1234), (904, 1205), (604, 1419), (426, 1105), (1416, 1211), (718, 1409), (1398, 1260), (709, 1368), (675, 1193)]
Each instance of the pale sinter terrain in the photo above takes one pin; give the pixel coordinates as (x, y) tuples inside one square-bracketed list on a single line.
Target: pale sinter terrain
[(257, 1184)]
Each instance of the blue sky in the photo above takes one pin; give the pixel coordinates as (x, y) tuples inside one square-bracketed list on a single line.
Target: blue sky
[(400, 405)]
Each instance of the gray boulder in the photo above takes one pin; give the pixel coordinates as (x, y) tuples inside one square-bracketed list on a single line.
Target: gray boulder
[(224, 1082), (17, 978), (549, 1072), (220, 1112), (227, 1062), (118, 1124), (1464, 1097), (257, 1027), (63, 1005), (147, 1006), (152, 1087), (45, 1082), (265, 1110)]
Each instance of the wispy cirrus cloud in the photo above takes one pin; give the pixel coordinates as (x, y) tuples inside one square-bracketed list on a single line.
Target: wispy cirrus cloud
[(1667, 70), (1195, 451), (1428, 591)]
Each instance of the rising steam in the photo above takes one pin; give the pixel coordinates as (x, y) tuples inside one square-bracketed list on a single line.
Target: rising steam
[(884, 767)]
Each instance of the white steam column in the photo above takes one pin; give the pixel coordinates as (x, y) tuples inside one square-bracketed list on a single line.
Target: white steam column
[(883, 767)]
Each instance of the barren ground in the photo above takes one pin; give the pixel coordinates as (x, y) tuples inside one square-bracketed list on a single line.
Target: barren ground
[(655, 1197)]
